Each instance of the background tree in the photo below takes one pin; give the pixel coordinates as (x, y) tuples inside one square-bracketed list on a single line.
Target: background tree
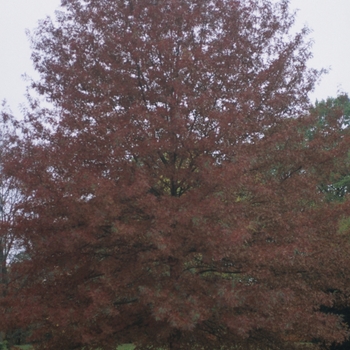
[(337, 108), (9, 197), (168, 196)]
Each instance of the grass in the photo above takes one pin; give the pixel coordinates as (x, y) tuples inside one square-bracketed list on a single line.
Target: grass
[(126, 347)]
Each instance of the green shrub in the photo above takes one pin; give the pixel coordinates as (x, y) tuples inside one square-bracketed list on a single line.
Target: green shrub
[(3, 345)]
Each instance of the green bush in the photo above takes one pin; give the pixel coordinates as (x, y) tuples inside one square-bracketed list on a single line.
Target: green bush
[(3, 345)]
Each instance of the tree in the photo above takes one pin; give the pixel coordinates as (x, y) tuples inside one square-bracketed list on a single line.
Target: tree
[(9, 197), (337, 186), (168, 195)]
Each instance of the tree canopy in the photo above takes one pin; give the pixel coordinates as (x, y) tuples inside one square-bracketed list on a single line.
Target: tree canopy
[(169, 193), (330, 110)]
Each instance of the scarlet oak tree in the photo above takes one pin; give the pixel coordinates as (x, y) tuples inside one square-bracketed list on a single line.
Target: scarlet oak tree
[(170, 194)]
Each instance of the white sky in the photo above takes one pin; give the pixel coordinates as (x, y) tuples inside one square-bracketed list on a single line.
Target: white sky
[(329, 20)]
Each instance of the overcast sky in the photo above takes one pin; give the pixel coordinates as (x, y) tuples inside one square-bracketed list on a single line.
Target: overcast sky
[(329, 20)]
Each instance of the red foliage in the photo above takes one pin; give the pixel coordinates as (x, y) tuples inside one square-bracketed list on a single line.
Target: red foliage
[(170, 193)]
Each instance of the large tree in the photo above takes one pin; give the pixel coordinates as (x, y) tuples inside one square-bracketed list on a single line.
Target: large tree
[(170, 193)]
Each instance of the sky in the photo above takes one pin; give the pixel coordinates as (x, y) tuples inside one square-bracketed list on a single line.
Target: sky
[(329, 20)]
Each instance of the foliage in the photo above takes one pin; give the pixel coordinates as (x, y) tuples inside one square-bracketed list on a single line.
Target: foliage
[(9, 196), (330, 111), (168, 197), (336, 186), (10, 245)]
